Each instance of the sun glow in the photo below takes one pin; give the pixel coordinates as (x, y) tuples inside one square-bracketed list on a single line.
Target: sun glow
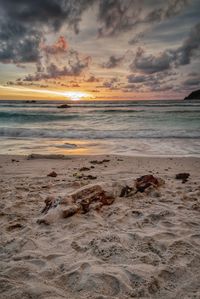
[(76, 95), (71, 95)]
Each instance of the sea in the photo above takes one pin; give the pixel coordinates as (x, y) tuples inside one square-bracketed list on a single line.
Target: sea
[(132, 128)]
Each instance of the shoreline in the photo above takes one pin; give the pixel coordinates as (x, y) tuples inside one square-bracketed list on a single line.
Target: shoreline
[(123, 147), (68, 156)]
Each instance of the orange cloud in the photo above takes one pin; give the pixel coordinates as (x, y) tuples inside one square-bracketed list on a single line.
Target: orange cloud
[(60, 46)]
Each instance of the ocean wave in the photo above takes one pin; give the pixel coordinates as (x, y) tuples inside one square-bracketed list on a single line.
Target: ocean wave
[(99, 104), (35, 117), (48, 116), (131, 111), (96, 134), (116, 111)]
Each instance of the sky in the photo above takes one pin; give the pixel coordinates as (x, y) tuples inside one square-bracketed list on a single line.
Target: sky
[(99, 49)]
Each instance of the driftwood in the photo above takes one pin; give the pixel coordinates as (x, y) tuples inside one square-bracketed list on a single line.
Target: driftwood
[(94, 197), (80, 201)]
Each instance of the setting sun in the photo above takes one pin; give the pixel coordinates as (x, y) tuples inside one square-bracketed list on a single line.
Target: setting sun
[(76, 95)]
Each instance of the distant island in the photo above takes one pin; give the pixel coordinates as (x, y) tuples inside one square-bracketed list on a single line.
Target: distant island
[(195, 95)]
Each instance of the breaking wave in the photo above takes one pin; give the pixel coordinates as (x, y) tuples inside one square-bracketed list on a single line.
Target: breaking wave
[(94, 134)]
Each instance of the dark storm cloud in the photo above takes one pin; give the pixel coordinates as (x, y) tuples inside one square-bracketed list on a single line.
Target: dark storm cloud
[(51, 13), (169, 58), (24, 22), (18, 44)]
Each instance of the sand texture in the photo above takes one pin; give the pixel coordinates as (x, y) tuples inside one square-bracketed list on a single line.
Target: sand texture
[(142, 245)]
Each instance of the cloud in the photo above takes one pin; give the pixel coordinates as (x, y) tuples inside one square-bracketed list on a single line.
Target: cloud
[(153, 87), (184, 54), (23, 25), (58, 60), (172, 8), (192, 80), (193, 74), (156, 82), (51, 13), (64, 85), (116, 61), (160, 88), (133, 88), (137, 78), (92, 79), (118, 16), (20, 82), (136, 39), (60, 46), (27, 26), (156, 77), (112, 84), (113, 62), (75, 85), (18, 44), (149, 63)]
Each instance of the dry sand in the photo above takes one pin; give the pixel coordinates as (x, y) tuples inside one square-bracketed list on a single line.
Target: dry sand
[(142, 246)]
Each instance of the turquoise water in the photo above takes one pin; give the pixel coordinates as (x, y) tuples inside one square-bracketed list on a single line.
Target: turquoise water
[(120, 127)]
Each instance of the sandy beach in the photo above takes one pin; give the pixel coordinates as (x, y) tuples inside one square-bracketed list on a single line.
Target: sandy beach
[(142, 245)]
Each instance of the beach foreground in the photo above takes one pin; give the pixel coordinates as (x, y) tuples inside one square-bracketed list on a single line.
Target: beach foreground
[(142, 245)]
